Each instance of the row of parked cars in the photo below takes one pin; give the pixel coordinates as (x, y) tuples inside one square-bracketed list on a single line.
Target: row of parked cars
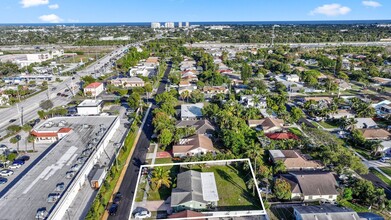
[(7, 171)]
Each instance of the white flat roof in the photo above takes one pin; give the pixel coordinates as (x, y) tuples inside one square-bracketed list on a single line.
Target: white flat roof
[(90, 103), (276, 153), (209, 188)]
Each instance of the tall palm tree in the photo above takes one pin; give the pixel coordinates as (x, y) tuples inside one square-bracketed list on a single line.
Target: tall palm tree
[(185, 95), (31, 139), (160, 177)]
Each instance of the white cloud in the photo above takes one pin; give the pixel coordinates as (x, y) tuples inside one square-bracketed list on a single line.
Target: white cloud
[(54, 6), (52, 18), (372, 4), (31, 3), (331, 10)]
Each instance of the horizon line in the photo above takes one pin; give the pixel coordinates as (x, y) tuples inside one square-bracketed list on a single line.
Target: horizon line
[(146, 22)]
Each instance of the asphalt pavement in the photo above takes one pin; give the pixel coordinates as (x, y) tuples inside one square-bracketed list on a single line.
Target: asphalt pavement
[(129, 183), (31, 105)]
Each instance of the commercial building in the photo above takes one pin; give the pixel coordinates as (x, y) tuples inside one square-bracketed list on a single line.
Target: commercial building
[(23, 60), (169, 25), (90, 107), (93, 89), (155, 25), (62, 170), (128, 82)]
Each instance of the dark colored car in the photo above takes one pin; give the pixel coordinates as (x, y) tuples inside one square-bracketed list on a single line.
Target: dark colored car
[(12, 120), (117, 197), (3, 180), (59, 94), (113, 209), (21, 162), (66, 90), (24, 158), (73, 77)]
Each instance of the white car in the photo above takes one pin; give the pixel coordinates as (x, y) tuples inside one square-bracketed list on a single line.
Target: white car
[(15, 166), (143, 214), (6, 172)]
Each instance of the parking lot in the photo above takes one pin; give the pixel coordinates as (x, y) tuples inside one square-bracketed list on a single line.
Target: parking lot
[(29, 188)]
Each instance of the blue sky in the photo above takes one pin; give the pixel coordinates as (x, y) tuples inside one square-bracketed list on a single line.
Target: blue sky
[(72, 11)]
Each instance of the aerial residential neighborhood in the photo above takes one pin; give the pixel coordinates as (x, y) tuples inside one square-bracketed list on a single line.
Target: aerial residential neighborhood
[(235, 110)]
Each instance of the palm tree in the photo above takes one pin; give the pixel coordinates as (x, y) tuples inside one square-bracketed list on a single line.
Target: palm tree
[(160, 177), (185, 95), (31, 139), (15, 140)]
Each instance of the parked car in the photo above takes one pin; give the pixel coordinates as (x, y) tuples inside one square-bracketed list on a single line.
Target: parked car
[(59, 94), (12, 120), (6, 172), (117, 197), (15, 166), (3, 180), (24, 158), (113, 209), (17, 161), (75, 167), (143, 214)]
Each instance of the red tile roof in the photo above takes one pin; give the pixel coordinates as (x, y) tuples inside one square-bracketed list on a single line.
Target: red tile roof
[(44, 134), (186, 214), (282, 136), (64, 130), (93, 85)]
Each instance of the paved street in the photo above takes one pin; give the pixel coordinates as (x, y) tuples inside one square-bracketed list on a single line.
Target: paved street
[(128, 186), (31, 105)]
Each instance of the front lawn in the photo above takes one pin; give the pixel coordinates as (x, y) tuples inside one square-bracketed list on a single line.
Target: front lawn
[(380, 176), (387, 170), (327, 125), (163, 193)]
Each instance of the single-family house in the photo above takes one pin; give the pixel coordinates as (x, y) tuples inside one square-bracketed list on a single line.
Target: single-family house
[(215, 90), (189, 89), (152, 62), (198, 144), (191, 111), (184, 83), (253, 101), (341, 113), (292, 78), (326, 211), (294, 160), (200, 126), (194, 191), (268, 125), (93, 89), (365, 123), (310, 186), (375, 134)]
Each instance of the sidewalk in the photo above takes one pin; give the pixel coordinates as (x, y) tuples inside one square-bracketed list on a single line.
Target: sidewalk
[(122, 175)]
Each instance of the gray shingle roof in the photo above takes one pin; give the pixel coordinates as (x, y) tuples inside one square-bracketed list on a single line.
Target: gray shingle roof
[(189, 188)]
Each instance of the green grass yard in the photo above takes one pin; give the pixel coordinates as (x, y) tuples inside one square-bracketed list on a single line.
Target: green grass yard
[(232, 189), (381, 176), (387, 170)]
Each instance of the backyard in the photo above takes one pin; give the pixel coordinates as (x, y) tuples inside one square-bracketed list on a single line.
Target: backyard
[(232, 188)]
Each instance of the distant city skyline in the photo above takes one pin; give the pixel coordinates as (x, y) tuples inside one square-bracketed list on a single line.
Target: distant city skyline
[(90, 11)]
